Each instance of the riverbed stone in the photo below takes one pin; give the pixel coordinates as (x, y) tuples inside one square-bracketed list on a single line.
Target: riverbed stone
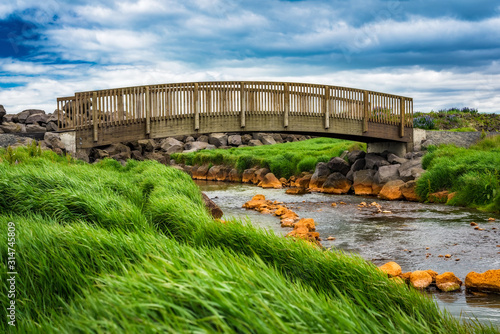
[(259, 175), (336, 164), (488, 282), (214, 210), (223, 173), (248, 175), (374, 161), (336, 183), (212, 173), (448, 282), (392, 269), (319, 177), (409, 191), (200, 173), (363, 182), (356, 166), (420, 279), (234, 175), (392, 190), (270, 181), (297, 191), (386, 174), (355, 155)]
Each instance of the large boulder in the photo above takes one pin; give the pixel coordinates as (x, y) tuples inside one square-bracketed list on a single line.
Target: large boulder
[(51, 126), (2, 113), (195, 146), (255, 142), (355, 155), (161, 158), (200, 173), (357, 165), (147, 145), (212, 208), (11, 118), (234, 140), (35, 128), (259, 175), (277, 137), (234, 176), (167, 144), (411, 169), (394, 159), (319, 177), (53, 141), (374, 161), (203, 138), (23, 115), (488, 281), (270, 181), (336, 183), (392, 190), (409, 191), (268, 140), (387, 173), (248, 175), (339, 165), (218, 139), (448, 282), (420, 279), (363, 182), (9, 127), (392, 269), (40, 119), (118, 148), (245, 139)]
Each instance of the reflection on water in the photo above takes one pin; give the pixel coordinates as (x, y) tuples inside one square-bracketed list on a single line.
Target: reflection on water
[(413, 235)]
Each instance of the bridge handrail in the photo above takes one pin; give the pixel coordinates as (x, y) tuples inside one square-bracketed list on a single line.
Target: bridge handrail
[(128, 105)]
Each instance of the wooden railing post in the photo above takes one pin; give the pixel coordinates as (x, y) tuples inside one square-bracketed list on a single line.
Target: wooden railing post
[(326, 107), (366, 112), (402, 102), (243, 104), (196, 108), (148, 111), (95, 121), (287, 104)]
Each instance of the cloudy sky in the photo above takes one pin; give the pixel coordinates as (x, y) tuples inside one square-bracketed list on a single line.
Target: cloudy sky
[(442, 53)]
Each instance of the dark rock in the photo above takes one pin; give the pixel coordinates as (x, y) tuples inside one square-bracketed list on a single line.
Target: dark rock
[(97, 154), (363, 182), (189, 139), (195, 146), (2, 113), (212, 147), (203, 139), (134, 146), (336, 183), (277, 137), (394, 159), (374, 161), (248, 175), (23, 115), (359, 164), (167, 143), (51, 126), (53, 141), (39, 119), (136, 155), (212, 208), (386, 174), (35, 128), (268, 140), (218, 139), (161, 158), (11, 118), (180, 138), (245, 139), (234, 140), (116, 149), (255, 142), (355, 155), (147, 145), (8, 127), (319, 177), (337, 164), (410, 169)]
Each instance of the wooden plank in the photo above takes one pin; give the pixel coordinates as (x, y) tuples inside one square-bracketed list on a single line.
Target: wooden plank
[(148, 111), (287, 105), (402, 117), (196, 108), (326, 109), (243, 104), (94, 115), (366, 112)]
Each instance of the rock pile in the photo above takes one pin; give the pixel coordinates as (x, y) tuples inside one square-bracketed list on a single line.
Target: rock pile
[(487, 282), (27, 121), (302, 228)]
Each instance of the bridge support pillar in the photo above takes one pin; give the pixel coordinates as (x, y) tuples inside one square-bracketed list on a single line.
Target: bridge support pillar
[(399, 149)]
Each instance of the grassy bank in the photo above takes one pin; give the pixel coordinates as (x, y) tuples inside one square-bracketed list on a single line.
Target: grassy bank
[(284, 160), (456, 119), (106, 248), (474, 174)]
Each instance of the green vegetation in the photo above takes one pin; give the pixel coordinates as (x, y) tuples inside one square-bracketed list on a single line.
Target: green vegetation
[(456, 119), (284, 160), (474, 174), (110, 249)]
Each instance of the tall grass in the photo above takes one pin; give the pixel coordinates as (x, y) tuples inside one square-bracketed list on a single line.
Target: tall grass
[(474, 174), (284, 160), (163, 265)]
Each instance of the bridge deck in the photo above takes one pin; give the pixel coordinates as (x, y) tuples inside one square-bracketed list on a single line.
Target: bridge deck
[(125, 114)]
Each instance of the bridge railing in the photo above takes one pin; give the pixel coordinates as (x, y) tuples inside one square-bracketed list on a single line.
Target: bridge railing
[(113, 107)]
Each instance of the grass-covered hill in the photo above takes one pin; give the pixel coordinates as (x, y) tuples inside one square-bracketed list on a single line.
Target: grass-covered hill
[(456, 119), (110, 249)]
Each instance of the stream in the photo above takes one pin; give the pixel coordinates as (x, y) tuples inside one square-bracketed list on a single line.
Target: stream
[(413, 235)]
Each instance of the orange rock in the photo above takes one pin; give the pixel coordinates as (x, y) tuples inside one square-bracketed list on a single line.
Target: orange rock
[(473, 224), (303, 182), (488, 281), (448, 282), (439, 197), (288, 222), (433, 275), (409, 191), (270, 181), (391, 269), (248, 175), (491, 219), (258, 197), (297, 191), (307, 223), (289, 214), (254, 204), (334, 204), (406, 276), (420, 279), (451, 196), (330, 238), (392, 190), (281, 210)]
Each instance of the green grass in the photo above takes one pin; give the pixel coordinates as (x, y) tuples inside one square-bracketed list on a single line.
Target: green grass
[(110, 249), (474, 174), (284, 160)]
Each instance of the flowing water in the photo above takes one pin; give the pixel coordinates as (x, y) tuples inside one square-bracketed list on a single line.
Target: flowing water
[(413, 235)]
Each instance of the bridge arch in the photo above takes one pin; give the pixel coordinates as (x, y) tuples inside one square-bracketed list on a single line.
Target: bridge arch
[(107, 116)]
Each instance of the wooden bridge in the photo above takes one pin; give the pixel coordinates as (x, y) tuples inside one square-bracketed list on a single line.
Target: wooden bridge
[(156, 111)]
